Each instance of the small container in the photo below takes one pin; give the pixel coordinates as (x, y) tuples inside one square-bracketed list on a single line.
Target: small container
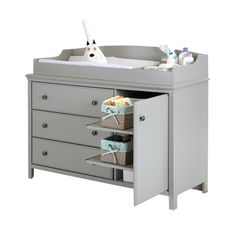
[(185, 57), (128, 176), (117, 117), (172, 58), (117, 149)]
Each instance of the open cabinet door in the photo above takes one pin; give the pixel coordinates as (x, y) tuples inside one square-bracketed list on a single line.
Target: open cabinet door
[(150, 148)]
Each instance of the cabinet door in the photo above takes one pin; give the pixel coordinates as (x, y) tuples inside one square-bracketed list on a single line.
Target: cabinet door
[(150, 148)]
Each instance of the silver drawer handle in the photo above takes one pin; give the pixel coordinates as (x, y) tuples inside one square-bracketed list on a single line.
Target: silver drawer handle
[(94, 132), (94, 103), (142, 118), (44, 153), (44, 97), (44, 125)]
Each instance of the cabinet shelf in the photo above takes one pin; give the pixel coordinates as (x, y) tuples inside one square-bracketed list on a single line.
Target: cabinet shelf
[(125, 184), (97, 161), (97, 126)]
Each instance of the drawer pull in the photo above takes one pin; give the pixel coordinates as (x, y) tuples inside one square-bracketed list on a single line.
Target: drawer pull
[(142, 118), (44, 153), (94, 132), (44, 97), (94, 103), (45, 125)]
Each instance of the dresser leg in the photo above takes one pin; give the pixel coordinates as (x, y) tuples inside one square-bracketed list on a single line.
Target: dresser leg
[(205, 187), (30, 173), (202, 187), (172, 202)]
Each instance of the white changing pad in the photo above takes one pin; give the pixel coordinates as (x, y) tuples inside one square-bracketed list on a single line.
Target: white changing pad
[(112, 62)]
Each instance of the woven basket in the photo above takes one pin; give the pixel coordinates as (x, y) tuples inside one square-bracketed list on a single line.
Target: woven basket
[(122, 158), (117, 117), (117, 149), (124, 121)]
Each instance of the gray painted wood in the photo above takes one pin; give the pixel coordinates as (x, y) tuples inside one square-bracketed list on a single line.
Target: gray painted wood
[(187, 91), (93, 82), (30, 169), (195, 72), (171, 169), (68, 128), (150, 148), (68, 157), (69, 99), (97, 126), (97, 162), (202, 187), (119, 182), (173, 201), (190, 137)]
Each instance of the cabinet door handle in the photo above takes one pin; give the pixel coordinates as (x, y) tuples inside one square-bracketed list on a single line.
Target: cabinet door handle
[(44, 153), (44, 97), (142, 118), (94, 103), (45, 125), (94, 132)]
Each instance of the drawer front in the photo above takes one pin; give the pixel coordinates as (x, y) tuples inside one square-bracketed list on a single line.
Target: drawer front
[(69, 99), (66, 128), (68, 157)]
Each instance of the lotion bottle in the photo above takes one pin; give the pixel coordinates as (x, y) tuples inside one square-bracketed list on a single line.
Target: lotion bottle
[(185, 57)]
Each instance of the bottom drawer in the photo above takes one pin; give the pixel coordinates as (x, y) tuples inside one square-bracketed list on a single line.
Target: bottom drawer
[(68, 157)]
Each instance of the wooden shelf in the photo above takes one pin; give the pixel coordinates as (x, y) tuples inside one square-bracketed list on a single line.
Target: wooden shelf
[(97, 126), (97, 161)]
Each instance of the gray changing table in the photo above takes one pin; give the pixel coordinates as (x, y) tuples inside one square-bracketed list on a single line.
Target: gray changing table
[(170, 122)]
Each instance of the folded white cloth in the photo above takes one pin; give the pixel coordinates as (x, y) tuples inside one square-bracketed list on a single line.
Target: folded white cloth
[(112, 62)]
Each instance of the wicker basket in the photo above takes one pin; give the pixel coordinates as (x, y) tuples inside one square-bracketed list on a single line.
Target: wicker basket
[(117, 149), (118, 117)]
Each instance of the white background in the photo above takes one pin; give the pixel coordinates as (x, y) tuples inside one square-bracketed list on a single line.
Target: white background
[(53, 204)]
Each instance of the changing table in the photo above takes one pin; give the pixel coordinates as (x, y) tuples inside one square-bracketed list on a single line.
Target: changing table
[(170, 127)]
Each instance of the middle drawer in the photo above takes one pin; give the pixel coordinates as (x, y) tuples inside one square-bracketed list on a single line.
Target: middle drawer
[(67, 128)]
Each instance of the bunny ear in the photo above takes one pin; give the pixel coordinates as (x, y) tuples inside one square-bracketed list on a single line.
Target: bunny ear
[(94, 42), (87, 43)]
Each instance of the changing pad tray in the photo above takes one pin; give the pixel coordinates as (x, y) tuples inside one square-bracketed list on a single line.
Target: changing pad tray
[(112, 62), (125, 68)]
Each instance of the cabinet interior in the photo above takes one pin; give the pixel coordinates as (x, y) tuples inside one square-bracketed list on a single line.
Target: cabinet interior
[(136, 94)]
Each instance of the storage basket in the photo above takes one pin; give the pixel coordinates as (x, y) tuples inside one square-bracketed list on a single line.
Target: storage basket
[(118, 117), (117, 149)]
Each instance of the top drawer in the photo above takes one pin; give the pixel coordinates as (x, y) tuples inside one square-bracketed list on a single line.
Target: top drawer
[(69, 99)]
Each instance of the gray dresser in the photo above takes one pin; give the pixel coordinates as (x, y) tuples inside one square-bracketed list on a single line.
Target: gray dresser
[(170, 130)]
